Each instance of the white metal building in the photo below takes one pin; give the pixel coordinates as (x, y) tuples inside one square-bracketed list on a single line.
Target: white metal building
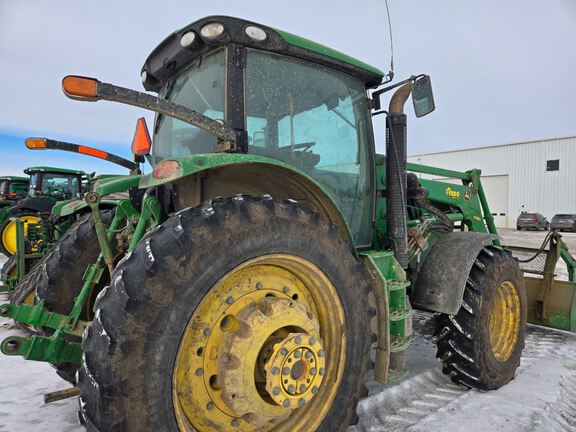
[(538, 176)]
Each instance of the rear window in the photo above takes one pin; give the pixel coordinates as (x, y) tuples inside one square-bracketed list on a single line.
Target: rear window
[(565, 216), (528, 215)]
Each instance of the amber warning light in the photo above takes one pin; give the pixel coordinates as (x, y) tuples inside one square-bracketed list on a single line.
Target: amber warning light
[(36, 143), (77, 87)]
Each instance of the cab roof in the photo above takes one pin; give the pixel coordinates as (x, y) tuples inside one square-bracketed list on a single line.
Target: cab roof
[(169, 58), (52, 170), (15, 178)]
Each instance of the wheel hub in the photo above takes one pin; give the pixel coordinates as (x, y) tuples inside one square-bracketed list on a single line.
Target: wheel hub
[(295, 370), (267, 358)]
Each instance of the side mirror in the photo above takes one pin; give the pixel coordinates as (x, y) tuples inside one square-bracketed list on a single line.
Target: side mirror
[(422, 96)]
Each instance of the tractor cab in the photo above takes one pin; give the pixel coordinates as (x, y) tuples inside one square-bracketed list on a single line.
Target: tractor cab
[(56, 184), (13, 188), (293, 100)]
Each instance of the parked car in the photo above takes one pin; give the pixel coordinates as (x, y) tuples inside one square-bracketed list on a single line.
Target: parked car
[(564, 222), (533, 221)]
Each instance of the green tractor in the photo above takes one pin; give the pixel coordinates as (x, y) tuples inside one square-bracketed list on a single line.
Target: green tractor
[(32, 239), (12, 189), (249, 276), (47, 186)]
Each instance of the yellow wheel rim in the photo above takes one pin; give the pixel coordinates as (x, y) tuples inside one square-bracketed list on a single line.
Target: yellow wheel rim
[(9, 233), (504, 321), (264, 350)]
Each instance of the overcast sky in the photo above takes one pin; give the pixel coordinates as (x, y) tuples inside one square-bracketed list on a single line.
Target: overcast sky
[(503, 71)]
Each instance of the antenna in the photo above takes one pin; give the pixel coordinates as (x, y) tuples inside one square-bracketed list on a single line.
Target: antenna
[(390, 75)]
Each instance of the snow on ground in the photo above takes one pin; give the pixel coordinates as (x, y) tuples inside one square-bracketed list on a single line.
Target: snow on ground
[(541, 398)]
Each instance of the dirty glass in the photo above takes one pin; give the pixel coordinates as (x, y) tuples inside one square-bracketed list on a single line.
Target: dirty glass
[(201, 87), (59, 186), (317, 120), (3, 186)]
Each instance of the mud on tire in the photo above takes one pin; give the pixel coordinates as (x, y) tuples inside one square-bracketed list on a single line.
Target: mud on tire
[(126, 376), (463, 340)]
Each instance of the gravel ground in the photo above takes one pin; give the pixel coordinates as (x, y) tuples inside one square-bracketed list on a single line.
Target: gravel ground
[(540, 398)]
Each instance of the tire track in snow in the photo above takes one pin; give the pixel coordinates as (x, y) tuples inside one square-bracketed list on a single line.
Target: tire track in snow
[(397, 408), (400, 407)]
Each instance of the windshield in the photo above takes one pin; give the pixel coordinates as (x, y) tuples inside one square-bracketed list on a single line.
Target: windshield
[(201, 87), (316, 119), (59, 186)]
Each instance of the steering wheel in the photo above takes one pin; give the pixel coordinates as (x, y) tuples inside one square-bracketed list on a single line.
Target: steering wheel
[(302, 146)]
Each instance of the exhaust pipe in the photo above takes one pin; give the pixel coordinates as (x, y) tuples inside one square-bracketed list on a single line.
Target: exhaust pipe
[(396, 159)]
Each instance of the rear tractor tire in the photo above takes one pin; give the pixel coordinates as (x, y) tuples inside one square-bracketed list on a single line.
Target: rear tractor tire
[(480, 347), (241, 314)]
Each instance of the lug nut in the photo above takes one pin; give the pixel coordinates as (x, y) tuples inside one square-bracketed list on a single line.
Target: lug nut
[(291, 389), (210, 406), (275, 370), (297, 354), (258, 285), (322, 371), (312, 341), (199, 372), (276, 391), (315, 390), (308, 354), (302, 388), (235, 423), (286, 371), (313, 371), (301, 402), (285, 290), (286, 403), (283, 351), (298, 340), (321, 353), (230, 300)]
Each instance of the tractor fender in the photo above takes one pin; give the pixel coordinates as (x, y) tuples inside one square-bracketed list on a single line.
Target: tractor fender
[(66, 208), (34, 204), (441, 281), (201, 177)]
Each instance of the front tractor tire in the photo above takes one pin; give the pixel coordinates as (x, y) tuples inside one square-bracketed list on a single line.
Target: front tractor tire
[(241, 314), (481, 346)]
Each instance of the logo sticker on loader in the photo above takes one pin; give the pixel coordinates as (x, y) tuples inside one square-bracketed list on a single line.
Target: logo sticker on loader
[(452, 193), (467, 195)]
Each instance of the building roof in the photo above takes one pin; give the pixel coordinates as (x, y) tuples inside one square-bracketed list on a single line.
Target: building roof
[(494, 146)]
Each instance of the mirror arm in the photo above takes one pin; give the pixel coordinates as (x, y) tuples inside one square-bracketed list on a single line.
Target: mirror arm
[(100, 154), (230, 137)]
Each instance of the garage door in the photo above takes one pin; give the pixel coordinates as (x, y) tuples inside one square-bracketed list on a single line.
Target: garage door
[(496, 190)]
